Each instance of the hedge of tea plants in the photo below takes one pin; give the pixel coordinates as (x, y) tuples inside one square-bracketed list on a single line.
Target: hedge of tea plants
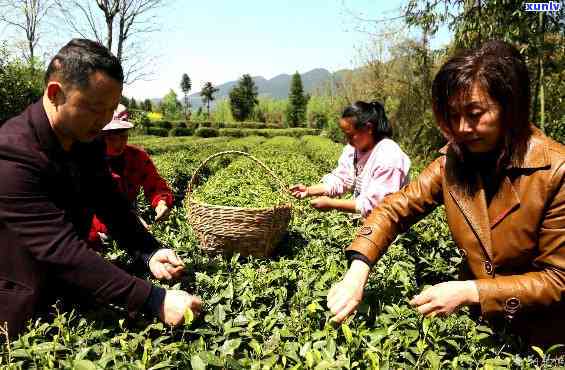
[(271, 313)]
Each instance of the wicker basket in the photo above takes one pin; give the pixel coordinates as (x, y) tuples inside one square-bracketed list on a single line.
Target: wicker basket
[(248, 231)]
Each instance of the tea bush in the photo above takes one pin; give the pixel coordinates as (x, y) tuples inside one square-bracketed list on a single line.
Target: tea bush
[(206, 132), (293, 132), (180, 131), (271, 313)]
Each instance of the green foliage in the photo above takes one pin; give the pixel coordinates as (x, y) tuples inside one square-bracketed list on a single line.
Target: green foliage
[(180, 123), (270, 111), (254, 125), (147, 105), (170, 106), (185, 85), (321, 151), (556, 130), (334, 133), (540, 38), (243, 98), (20, 85), (162, 124), (222, 111), (207, 94), (321, 110), (205, 124), (293, 132), (206, 132), (181, 131), (156, 131), (297, 101), (239, 185), (270, 313)]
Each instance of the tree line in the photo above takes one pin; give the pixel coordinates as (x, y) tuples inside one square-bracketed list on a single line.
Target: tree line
[(394, 66)]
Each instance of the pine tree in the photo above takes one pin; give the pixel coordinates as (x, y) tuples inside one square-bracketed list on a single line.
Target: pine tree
[(243, 98), (186, 85), (147, 106), (297, 102)]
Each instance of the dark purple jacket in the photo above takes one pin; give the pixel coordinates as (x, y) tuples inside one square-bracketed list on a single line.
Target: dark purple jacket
[(47, 199)]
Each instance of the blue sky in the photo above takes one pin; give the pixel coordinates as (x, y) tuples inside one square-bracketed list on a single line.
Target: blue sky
[(219, 40)]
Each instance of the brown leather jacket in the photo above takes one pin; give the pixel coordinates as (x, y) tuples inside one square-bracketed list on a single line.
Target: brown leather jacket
[(514, 248)]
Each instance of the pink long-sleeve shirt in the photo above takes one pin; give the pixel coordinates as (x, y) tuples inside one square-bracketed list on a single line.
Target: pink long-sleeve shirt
[(380, 171)]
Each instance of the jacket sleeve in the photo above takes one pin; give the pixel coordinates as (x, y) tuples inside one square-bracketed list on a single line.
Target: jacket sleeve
[(398, 211), (115, 211), (45, 230), (155, 187), (546, 286)]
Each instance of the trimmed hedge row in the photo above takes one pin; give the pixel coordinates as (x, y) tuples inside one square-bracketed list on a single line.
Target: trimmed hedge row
[(169, 124), (206, 132), (231, 132), (181, 131), (166, 124), (292, 132), (250, 125), (159, 131)]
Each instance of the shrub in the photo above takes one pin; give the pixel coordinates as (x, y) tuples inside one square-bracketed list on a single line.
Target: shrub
[(163, 124), (334, 132), (180, 123), (155, 116), (292, 132), (157, 131), (556, 130), (206, 132), (180, 131), (139, 118), (20, 85), (204, 124)]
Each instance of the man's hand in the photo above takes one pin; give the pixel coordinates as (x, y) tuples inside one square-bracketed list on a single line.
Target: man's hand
[(446, 298), (322, 203), (165, 264), (162, 211), (299, 191), (345, 296), (175, 305)]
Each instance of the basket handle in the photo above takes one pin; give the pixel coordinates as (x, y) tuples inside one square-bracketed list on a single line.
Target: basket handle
[(193, 179)]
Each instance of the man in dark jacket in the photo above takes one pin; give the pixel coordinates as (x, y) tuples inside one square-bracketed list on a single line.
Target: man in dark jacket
[(53, 179)]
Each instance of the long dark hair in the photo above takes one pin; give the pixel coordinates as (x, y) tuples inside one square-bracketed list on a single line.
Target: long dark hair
[(500, 71), (369, 115)]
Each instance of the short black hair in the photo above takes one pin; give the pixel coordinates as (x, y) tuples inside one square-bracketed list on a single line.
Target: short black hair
[(372, 113), (76, 61)]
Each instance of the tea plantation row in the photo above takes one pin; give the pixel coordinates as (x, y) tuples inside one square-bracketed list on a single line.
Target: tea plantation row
[(271, 313)]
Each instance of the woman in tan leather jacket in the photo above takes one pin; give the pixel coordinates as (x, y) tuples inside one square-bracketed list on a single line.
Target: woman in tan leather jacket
[(502, 183)]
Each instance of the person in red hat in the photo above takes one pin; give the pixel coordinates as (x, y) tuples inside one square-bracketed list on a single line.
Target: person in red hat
[(131, 169)]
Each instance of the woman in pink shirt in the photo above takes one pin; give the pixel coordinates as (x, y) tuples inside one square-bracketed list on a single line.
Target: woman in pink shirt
[(371, 165)]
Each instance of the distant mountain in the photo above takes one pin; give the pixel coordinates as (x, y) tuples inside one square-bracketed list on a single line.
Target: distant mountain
[(276, 88)]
